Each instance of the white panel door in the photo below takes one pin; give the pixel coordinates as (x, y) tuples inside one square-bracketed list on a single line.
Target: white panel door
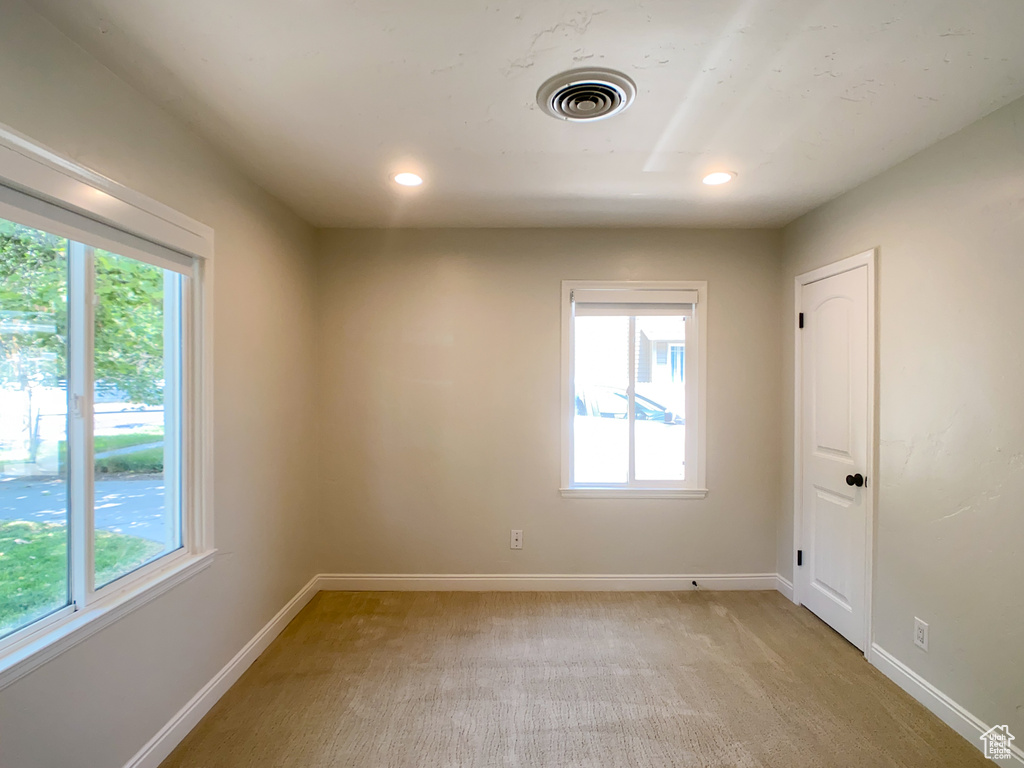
[(835, 429)]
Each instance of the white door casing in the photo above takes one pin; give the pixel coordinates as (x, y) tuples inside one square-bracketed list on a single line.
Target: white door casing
[(835, 385)]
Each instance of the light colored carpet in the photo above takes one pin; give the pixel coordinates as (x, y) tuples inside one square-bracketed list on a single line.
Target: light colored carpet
[(596, 680)]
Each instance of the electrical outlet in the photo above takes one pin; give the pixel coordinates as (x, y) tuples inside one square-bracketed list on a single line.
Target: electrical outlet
[(920, 634), (517, 540)]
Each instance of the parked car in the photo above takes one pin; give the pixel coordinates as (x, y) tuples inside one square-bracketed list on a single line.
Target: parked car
[(601, 438), (613, 403)]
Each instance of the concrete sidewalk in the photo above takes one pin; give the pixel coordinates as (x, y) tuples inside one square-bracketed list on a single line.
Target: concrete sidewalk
[(123, 505)]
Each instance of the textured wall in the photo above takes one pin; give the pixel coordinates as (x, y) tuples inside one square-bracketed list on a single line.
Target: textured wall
[(441, 391), (949, 225)]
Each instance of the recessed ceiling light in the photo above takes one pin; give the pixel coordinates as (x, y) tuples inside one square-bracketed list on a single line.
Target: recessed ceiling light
[(408, 179), (719, 177)]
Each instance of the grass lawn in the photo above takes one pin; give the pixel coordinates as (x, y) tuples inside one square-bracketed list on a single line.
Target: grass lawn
[(103, 443), (33, 566), (149, 461)]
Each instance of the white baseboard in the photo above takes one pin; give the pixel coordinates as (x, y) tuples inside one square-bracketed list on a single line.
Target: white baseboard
[(947, 710), (163, 743), (784, 585), (516, 582)]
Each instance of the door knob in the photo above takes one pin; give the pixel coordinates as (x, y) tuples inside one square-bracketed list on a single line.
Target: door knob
[(857, 480)]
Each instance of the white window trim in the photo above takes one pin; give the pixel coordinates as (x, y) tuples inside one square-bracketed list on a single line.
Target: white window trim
[(696, 483), (40, 173)]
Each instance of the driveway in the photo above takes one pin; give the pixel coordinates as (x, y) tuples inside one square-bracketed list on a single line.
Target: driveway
[(123, 505)]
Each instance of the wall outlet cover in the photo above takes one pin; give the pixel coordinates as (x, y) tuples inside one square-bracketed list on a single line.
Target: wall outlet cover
[(920, 634)]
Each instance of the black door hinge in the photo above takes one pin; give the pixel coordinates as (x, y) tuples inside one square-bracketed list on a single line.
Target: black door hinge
[(801, 319), (799, 557)]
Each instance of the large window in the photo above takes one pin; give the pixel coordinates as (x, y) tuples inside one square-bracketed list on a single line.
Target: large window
[(84, 333), (101, 459), (632, 415)]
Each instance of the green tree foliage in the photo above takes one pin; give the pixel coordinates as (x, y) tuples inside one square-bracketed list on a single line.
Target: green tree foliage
[(129, 323), (33, 307), (129, 327)]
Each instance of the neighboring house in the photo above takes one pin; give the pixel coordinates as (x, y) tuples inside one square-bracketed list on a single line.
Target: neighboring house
[(659, 358)]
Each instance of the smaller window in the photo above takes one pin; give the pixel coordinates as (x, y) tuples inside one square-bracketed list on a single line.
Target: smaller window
[(632, 387), (678, 356), (662, 347)]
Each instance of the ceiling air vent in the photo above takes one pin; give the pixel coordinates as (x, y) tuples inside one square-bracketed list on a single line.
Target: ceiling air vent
[(582, 95)]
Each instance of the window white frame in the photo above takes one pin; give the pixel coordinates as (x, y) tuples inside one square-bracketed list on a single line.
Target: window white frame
[(695, 362), (41, 189)]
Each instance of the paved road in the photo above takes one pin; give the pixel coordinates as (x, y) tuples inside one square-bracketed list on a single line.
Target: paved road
[(122, 505)]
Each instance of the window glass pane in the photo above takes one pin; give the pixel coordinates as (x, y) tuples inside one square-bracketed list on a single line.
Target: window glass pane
[(660, 426), (137, 414), (601, 426), (33, 425)]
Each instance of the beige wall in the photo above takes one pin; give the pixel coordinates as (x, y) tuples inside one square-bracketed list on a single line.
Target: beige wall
[(95, 705), (440, 404), (949, 225)]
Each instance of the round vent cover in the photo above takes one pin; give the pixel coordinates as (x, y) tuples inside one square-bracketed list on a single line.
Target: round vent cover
[(586, 94)]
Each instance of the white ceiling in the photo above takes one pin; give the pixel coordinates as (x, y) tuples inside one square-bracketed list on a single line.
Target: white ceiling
[(320, 100)]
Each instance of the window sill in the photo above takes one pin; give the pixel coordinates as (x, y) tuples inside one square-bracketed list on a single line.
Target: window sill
[(50, 642), (634, 493)]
